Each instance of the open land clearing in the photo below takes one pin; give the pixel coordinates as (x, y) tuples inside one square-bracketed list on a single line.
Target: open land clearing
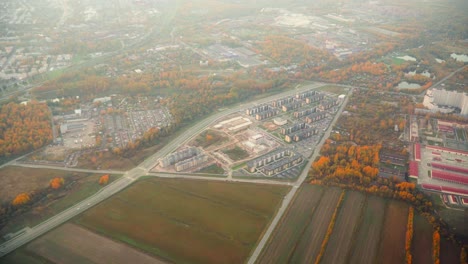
[(340, 241), (368, 235), (422, 240), (289, 230), (73, 244), (310, 243), (188, 221), (15, 180), (78, 186), (392, 244)]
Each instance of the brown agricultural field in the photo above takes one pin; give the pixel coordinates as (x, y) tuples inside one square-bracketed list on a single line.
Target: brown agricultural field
[(392, 244), (422, 240), (341, 239), (311, 240), (188, 221), (449, 252), (289, 230), (72, 244), (367, 239)]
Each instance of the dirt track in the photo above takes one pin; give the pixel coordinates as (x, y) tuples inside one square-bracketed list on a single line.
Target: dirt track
[(73, 244)]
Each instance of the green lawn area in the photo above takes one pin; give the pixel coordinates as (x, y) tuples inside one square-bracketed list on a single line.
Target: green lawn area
[(236, 153), (187, 221), (212, 169), (333, 89), (397, 61)]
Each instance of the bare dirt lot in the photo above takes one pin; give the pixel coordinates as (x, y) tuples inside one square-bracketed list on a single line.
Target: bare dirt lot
[(340, 241), (392, 246), (289, 230), (73, 244), (311, 240), (368, 235)]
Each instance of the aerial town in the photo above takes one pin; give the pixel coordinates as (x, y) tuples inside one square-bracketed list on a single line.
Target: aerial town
[(233, 131)]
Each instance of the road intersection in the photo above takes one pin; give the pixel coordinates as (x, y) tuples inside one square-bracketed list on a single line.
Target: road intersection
[(144, 168)]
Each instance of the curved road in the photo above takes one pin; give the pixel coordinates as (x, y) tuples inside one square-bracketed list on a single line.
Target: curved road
[(143, 169)]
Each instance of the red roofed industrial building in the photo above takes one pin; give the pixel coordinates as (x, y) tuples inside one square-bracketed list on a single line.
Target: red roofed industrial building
[(464, 200), (452, 190), (450, 177), (414, 170), (453, 151), (417, 152), (453, 199), (450, 168)]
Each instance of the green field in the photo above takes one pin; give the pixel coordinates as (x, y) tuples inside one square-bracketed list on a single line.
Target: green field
[(212, 169), (188, 221), (334, 89), (236, 153)]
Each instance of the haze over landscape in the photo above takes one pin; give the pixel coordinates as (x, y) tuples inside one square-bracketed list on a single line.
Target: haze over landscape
[(233, 131)]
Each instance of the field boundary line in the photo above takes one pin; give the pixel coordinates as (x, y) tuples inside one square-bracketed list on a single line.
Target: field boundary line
[(330, 227)]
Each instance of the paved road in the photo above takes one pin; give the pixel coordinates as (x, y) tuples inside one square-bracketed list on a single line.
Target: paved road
[(443, 80), (143, 169), (289, 197), (38, 166)]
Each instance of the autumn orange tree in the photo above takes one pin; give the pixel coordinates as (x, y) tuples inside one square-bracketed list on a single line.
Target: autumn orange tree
[(104, 179), (21, 199), (436, 246), (409, 236), (56, 183), (23, 128)]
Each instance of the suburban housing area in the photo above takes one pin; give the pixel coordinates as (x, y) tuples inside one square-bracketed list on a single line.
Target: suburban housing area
[(222, 131)]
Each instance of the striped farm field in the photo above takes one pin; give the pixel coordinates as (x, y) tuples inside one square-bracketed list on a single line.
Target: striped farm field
[(309, 246), (340, 242), (289, 230), (368, 235), (392, 244)]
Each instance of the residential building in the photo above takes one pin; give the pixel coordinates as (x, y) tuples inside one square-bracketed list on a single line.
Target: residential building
[(179, 156)]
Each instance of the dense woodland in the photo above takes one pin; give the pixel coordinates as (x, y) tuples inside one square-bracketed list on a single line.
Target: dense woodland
[(24, 128)]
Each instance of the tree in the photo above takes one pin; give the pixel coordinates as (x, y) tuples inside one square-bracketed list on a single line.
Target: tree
[(104, 179), (56, 183), (21, 199)]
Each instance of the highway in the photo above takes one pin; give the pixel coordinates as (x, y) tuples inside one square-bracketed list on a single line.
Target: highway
[(143, 169)]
